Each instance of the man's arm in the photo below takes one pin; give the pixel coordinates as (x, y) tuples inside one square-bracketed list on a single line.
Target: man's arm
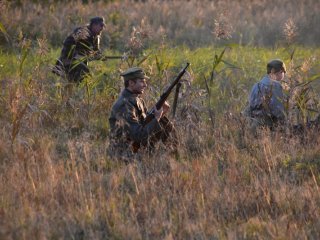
[(137, 131), (96, 53), (276, 104), (96, 44), (254, 98), (67, 51)]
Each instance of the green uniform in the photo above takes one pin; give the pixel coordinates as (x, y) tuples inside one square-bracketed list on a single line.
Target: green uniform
[(79, 47), (127, 126)]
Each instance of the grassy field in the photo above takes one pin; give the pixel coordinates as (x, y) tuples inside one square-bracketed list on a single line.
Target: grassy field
[(57, 182)]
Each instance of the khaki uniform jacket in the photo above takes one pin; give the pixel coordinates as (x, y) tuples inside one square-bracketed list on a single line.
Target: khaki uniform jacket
[(126, 121)]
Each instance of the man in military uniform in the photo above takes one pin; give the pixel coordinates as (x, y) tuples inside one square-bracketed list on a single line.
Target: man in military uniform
[(129, 133), (266, 101), (80, 47)]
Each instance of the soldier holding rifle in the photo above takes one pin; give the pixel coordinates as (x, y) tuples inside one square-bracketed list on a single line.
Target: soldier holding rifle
[(132, 127), (80, 47)]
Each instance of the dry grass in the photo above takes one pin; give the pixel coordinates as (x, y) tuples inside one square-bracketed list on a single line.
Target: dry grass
[(195, 23), (56, 180), (229, 185), (58, 183)]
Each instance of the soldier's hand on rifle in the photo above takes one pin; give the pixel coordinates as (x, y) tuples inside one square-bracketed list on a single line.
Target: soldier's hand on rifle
[(162, 111), (158, 113), (94, 55), (165, 107)]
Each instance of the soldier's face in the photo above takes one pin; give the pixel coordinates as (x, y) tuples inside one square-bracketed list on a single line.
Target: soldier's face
[(278, 76), (97, 28), (138, 86)]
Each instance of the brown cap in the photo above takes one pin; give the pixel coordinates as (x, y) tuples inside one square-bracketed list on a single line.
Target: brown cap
[(277, 65), (134, 73)]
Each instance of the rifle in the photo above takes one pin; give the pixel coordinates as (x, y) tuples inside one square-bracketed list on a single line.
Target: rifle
[(105, 58), (164, 96)]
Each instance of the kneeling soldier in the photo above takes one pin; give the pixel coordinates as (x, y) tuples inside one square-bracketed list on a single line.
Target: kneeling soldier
[(81, 46), (266, 100), (128, 129)]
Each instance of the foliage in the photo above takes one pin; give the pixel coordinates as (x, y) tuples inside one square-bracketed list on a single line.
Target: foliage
[(57, 182), (195, 23), (225, 183)]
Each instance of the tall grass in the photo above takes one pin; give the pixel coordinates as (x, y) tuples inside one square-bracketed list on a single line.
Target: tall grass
[(56, 180), (195, 23)]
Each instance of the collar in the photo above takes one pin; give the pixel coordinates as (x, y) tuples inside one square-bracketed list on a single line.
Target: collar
[(127, 93), (267, 80)]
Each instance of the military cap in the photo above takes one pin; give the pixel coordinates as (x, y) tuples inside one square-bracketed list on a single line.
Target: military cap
[(133, 73), (97, 20), (277, 65)]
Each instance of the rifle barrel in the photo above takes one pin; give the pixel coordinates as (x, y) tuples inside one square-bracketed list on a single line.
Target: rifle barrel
[(112, 57), (166, 94)]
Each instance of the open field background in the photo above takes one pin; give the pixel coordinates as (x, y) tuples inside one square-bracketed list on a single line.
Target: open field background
[(195, 23), (56, 181)]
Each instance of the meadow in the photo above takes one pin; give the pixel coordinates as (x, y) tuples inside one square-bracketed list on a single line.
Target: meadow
[(56, 180)]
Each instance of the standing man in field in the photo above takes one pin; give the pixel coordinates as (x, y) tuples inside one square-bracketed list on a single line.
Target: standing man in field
[(266, 100), (129, 132), (80, 47)]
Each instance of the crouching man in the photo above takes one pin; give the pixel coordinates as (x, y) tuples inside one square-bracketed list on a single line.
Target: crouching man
[(266, 101), (129, 133)]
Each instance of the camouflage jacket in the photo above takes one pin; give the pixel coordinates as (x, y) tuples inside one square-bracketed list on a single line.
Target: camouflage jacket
[(127, 118), (82, 42)]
